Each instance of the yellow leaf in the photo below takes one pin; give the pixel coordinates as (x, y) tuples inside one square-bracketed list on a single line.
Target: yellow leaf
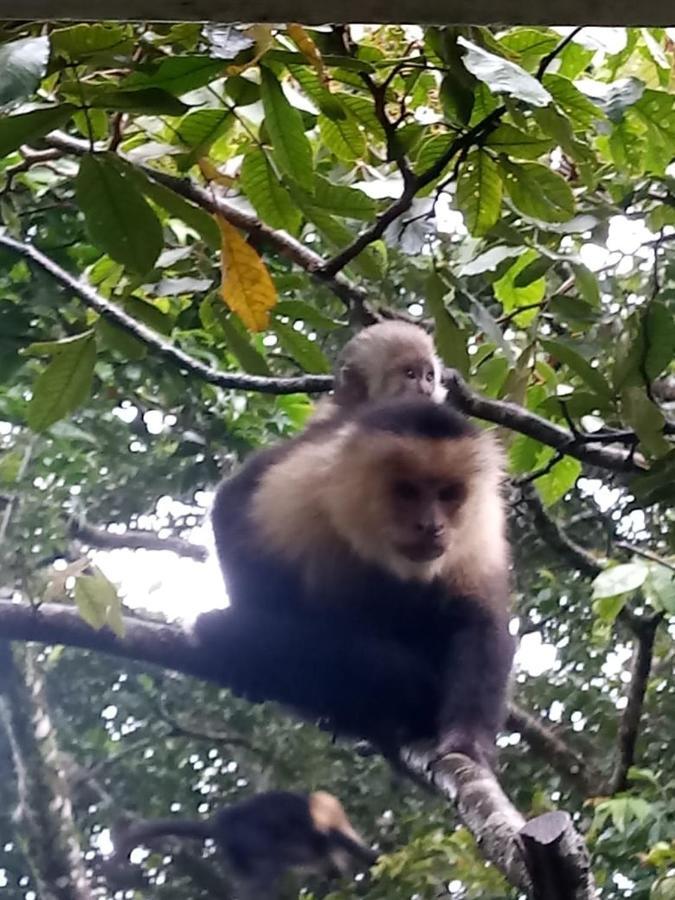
[(212, 173), (307, 47), (246, 287), (264, 38)]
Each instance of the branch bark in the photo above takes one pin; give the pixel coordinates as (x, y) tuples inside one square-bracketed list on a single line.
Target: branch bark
[(136, 540), (545, 857)]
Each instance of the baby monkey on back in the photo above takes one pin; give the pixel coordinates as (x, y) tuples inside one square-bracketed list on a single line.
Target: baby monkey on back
[(392, 359)]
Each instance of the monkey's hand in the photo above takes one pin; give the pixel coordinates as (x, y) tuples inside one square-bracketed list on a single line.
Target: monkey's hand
[(473, 742)]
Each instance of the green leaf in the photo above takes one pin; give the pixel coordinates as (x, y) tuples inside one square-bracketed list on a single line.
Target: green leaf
[(78, 41), (621, 95), (659, 587), (488, 261), (22, 65), (586, 283), (560, 128), (655, 110), (342, 200), (502, 76), (27, 127), (553, 486), (242, 90), (451, 340), (533, 271), (64, 384), (285, 127), (370, 262), (457, 97), (177, 74), (177, 207), (306, 353), (300, 310), (479, 192), (118, 218), (574, 361), (538, 192), (514, 142), (658, 328), (343, 138), (582, 111), (98, 603), (431, 150), (616, 581), (646, 419), (149, 102), (608, 608), (239, 344), (511, 296), (269, 197), (200, 129)]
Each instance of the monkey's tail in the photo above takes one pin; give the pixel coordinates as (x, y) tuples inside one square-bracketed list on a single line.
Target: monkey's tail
[(356, 849), (129, 835)]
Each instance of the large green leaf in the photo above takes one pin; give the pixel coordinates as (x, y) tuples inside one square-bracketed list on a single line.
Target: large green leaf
[(239, 343), (22, 65), (370, 263), (98, 603), (64, 384), (553, 486), (270, 198), (582, 111), (646, 419), (148, 101), (306, 353), (201, 128), (618, 580), (512, 296), (538, 192), (284, 124), (25, 128), (343, 138), (656, 110), (342, 200), (177, 74), (521, 144), (502, 76), (574, 361), (78, 41), (479, 192), (118, 218), (451, 340), (658, 331)]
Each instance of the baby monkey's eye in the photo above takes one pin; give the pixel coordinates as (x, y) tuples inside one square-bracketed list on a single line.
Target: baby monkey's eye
[(406, 490), (429, 376), (409, 373), (451, 492)]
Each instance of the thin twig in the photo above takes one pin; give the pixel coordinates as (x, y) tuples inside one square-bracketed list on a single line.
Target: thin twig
[(646, 554)]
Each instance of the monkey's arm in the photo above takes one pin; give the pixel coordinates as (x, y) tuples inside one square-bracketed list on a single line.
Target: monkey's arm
[(475, 681), (359, 851)]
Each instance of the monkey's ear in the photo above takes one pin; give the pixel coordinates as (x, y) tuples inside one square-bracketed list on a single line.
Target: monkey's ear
[(351, 388)]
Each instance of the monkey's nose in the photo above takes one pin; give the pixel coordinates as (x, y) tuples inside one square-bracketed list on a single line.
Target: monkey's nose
[(431, 528)]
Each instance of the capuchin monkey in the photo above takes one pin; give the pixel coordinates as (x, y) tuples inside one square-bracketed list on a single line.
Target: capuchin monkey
[(386, 360), (265, 836), (367, 568)]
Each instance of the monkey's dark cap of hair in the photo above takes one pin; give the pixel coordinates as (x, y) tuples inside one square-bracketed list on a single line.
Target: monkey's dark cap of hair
[(416, 418)]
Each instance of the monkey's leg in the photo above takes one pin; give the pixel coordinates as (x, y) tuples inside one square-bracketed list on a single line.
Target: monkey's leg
[(324, 667)]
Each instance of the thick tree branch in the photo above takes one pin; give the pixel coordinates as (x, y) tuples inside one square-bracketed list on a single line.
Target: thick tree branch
[(136, 540), (629, 727), (544, 857), (551, 747), (283, 243), (481, 803)]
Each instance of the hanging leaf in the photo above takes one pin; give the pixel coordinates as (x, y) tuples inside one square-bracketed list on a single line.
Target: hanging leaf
[(646, 419), (22, 65), (307, 47), (451, 340), (118, 218), (285, 127), (342, 200), (98, 603), (513, 296), (479, 192), (582, 111), (521, 144), (27, 127), (149, 102), (263, 37), (619, 580), (538, 192), (488, 261), (247, 287), (65, 383), (239, 344), (176, 74), (658, 330), (587, 284), (200, 129), (553, 486), (502, 76), (270, 198), (306, 353), (343, 138), (574, 361)]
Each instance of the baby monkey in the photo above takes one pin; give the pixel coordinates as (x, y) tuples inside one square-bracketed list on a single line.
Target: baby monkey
[(265, 836), (391, 359)]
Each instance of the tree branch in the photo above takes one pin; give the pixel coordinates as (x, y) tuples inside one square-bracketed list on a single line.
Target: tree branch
[(136, 540), (629, 727), (646, 554), (350, 294), (549, 745), (544, 857), (111, 312)]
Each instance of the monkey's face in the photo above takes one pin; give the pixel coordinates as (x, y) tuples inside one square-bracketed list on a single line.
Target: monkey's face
[(423, 512), (415, 376)]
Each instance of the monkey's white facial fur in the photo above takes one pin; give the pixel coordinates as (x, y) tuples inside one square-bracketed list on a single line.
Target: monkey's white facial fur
[(386, 361)]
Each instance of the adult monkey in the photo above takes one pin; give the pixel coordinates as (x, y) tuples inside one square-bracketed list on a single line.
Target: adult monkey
[(367, 567), (264, 836)]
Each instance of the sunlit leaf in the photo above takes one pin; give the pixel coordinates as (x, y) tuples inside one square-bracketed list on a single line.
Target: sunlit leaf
[(82, 40), (98, 603), (489, 261), (306, 353), (64, 384), (306, 45), (22, 65), (198, 130), (502, 76), (618, 580), (537, 191), (344, 138), (581, 367), (646, 419), (176, 74), (451, 340), (569, 98), (553, 486), (342, 200), (118, 218), (479, 192), (521, 144), (247, 287), (513, 296), (27, 127), (284, 124)]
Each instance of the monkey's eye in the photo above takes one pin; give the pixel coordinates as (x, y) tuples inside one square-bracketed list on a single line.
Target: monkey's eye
[(450, 493), (429, 376), (410, 373), (406, 490)]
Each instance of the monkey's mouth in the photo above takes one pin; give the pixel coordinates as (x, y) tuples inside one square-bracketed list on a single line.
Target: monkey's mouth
[(423, 552)]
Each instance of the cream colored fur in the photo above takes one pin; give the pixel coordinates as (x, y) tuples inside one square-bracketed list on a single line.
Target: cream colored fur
[(326, 503)]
